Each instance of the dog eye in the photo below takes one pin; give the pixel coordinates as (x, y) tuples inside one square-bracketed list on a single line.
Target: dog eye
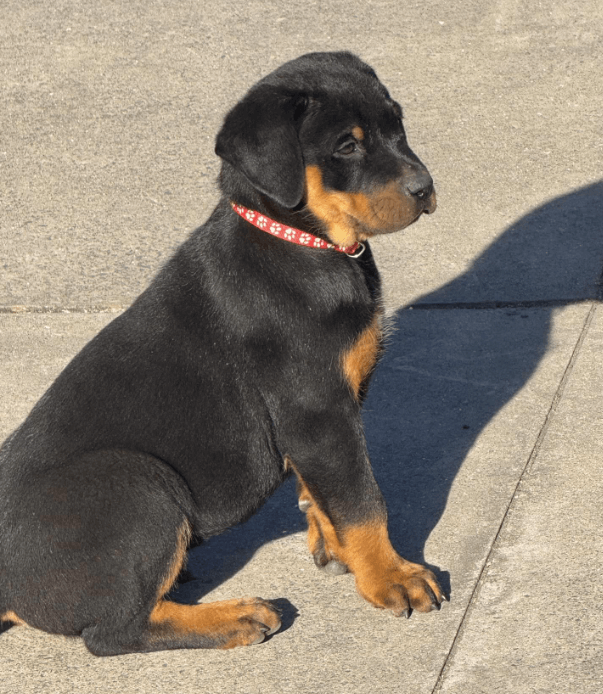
[(348, 147)]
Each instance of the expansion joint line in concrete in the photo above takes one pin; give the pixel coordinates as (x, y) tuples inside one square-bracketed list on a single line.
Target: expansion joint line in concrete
[(461, 305), (20, 310), (483, 575), (493, 305)]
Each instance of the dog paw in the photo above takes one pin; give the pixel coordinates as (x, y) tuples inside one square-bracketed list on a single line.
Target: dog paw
[(402, 589), (248, 621)]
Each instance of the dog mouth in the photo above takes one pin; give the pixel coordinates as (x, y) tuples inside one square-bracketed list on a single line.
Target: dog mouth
[(382, 222), (357, 216)]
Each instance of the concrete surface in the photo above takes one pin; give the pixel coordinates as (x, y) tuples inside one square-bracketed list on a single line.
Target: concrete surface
[(483, 420), (534, 623)]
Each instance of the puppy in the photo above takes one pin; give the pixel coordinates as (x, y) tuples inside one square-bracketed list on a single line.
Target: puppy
[(246, 360)]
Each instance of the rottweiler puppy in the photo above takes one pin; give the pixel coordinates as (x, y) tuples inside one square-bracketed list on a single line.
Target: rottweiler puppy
[(246, 360)]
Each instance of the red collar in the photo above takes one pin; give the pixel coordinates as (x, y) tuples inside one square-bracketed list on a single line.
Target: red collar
[(301, 238)]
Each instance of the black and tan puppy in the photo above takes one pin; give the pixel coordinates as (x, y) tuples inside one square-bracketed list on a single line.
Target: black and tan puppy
[(245, 360)]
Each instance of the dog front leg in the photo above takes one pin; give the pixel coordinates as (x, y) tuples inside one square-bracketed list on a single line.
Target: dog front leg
[(347, 531)]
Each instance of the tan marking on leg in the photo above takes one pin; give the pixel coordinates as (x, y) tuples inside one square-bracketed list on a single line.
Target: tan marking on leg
[(321, 534), (223, 624), (383, 577), (324, 533), (226, 624), (304, 498), (10, 616), (319, 530), (184, 538), (315, 538), (359, 361)]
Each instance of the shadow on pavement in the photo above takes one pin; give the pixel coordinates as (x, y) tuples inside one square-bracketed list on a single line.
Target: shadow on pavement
[(446, 374)]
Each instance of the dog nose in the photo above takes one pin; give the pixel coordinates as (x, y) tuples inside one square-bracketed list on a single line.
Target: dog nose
[(420, 185)]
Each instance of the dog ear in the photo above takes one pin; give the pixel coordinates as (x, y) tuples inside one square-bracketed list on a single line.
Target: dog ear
[(259, 138)]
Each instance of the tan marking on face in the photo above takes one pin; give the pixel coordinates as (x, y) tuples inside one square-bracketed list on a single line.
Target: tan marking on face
[(390, 209), (351, 217), (359, 361), (358, 133), (331, 207)]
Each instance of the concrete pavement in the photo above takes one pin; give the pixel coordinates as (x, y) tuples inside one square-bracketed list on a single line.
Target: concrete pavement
[(483, 420)]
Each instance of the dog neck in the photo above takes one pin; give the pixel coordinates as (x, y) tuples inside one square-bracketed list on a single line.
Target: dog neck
[(292, 234), (235, 187)]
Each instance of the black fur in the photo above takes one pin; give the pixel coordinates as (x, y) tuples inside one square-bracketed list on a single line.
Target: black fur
[(186, 405)]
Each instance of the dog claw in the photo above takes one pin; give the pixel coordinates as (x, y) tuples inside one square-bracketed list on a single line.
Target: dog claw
[(269, 632), (403, 613)]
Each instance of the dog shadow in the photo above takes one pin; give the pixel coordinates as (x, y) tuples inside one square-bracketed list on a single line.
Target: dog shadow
[(445, 375)]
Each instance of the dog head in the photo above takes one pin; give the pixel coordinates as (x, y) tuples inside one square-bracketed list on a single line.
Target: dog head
[(322, 136)]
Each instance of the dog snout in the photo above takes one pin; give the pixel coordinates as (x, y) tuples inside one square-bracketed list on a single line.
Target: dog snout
[(419, 184)]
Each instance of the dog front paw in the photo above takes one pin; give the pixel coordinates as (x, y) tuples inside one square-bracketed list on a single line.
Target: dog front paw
[(401, 588)]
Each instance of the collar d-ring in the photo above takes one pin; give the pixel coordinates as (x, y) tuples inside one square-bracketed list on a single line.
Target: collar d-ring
[(358, 252)]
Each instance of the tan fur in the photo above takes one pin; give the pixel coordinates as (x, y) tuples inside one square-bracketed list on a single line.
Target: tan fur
[(383, 577), (229, 623), (184, 538), (359, 361), (352, 217), (10, 616), (226, 622)]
